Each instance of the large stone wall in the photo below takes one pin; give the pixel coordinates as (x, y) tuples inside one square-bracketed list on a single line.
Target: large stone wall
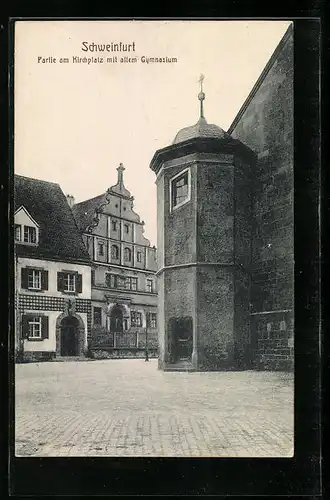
[(265, 124)]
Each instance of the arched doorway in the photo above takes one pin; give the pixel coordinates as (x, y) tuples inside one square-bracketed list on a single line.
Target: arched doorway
[(116, 319), (69, 336)]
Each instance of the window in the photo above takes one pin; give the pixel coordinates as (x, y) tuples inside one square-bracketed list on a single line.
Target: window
[(136, 318), (139, 256), (69, 282), (112, 280), (97, 315), (180, 189), (114, 225), (131, 283), (101, 249), (126, 228), (149, 286), (125, 324), (127, 254), (18, 230), (35, 327), (115, 281), (30, 234), (119, 281), (153, 320), (114, 252), (34, 279)]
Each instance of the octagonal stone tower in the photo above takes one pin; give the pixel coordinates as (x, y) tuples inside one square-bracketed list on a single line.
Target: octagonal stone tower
[(204, 239)]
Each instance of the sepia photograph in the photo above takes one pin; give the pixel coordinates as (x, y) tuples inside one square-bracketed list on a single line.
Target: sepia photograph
[(154, 238)]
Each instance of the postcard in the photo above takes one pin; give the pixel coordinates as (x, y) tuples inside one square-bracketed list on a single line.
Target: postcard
[(153, 212)]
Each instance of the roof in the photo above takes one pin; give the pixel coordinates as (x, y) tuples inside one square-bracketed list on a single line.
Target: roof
[(84, 212), (287, 35), (201, 129), (59, 237)]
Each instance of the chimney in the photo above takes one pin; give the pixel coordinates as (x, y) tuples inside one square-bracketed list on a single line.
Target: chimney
[(70, 200)]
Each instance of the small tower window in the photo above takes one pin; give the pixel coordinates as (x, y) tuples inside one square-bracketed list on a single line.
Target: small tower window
[(180, 189), (139, 256), (114, 225), (126, 228)]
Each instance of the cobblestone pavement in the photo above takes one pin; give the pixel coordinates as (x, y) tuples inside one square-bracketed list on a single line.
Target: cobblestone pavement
[(129, 408)]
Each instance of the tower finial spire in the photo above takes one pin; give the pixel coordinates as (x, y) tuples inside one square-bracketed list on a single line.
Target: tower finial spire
[(201, 96), (120, 171)]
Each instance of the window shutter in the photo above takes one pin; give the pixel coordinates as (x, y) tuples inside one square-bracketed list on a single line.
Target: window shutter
[(44, 280), (79, 283), (24, 278), (25, 325), (44, 327), (60, 282), (148, 318)]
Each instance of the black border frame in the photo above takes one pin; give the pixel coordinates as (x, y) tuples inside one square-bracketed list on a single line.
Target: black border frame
[(173, 476)]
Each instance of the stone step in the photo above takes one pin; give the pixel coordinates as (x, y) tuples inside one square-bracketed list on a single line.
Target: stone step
[(63, 359), (179, 367)]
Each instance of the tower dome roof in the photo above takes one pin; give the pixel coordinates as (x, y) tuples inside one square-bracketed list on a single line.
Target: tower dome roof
[(201, 129)]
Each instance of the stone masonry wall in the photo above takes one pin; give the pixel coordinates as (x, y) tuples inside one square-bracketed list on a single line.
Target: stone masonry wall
[(215, 316), (215, 212), (266, 126)]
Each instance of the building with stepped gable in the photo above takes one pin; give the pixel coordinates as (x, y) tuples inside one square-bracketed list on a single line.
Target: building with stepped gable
[(124, 287)]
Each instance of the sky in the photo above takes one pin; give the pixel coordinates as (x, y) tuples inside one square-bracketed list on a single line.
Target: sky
[(74, 123)]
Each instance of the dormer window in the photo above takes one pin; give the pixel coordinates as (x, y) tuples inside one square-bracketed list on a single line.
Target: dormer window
[(180, 189), (25, 234), (26, 229), (30, 234), (18, 232)]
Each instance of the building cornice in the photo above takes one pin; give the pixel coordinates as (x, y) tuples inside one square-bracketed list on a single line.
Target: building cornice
[(115, 291), (114, 240), (195, 264), (82, 262), (200, 146), (116, 266)]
